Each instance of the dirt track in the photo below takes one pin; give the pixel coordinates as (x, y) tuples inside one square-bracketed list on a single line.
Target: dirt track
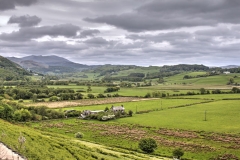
[(86, 102), (7, 154)]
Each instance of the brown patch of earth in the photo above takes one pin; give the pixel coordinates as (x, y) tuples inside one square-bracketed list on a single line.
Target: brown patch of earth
[(8, 154), (86, 102)]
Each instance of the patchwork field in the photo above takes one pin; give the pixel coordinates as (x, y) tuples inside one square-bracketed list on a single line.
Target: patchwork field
[(172, 123)]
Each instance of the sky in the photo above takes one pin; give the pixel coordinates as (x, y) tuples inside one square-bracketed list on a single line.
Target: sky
[(127, 32)]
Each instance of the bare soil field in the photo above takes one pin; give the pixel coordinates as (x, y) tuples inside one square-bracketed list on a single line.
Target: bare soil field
[(86, 102)]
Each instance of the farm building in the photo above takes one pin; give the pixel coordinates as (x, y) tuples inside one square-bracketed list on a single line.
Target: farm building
[(117, 108), (86, 113), (226, 72)]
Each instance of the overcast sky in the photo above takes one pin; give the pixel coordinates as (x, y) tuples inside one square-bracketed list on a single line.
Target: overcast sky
[(139, 32)]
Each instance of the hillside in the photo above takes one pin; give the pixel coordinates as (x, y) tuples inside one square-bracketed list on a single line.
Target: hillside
[(58, 146), (48, 64), (10, 71)]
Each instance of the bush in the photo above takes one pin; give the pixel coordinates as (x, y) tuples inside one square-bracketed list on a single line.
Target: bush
[(79, 135), (147, 145), (178, 153), (130, 113)]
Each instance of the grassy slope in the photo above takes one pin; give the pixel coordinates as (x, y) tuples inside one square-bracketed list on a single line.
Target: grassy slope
[(48, 146), (211, 80)]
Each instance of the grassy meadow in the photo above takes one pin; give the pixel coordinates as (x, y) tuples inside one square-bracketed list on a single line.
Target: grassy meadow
[(183, 127), (204, 126)]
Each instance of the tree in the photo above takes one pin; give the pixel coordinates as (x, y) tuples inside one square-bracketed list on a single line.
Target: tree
[(90, 96), (106, 109), (130, 113), (178, 153), (202, 90), (147, 145), (79, 135)]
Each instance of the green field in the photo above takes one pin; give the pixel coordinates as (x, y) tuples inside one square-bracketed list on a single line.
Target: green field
[(185, 126), (158, 104)]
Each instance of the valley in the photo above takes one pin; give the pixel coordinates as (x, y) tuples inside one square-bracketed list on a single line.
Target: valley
[(193, 108)]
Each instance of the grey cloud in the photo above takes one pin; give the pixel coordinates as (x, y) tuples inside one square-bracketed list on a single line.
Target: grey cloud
[(25, 34), (170, 14), (11, 4), (171, 36), (89, 33), (25, 21), (97, 41)]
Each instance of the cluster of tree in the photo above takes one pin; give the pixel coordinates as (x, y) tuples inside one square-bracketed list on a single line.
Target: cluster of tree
[(112, 89), (202, 75), (11, 111), (234, 70), (57, 82), (161, 74), (38, 92), (184, 67), (123, 78), (109, 69), (100, 95), (158, 94), (235, 90)]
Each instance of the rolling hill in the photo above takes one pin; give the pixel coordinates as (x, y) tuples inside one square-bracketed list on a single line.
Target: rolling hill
[(48, 64), (11, 71)]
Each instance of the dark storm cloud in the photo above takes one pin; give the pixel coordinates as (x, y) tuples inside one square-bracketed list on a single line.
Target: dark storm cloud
[(11, 4), (25, 21), (25, 34), (89, 33), (169, 14)]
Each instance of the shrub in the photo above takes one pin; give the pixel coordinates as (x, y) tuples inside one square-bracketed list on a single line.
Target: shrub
[(147, 145), (178, 153), (79, 135), (130, 112)]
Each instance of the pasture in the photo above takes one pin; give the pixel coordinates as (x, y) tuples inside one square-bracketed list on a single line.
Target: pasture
[(172, 122)]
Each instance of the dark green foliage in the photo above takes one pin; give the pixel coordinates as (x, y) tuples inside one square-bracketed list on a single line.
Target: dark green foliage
[(178, 153), (10, 71), (217, 91), (22, 115), (6, 111), (130, 113), (90, 96), (148, 95), (100, 95), (147, 145), (202, 90), (235, 90), (79, 135), (112, 89)]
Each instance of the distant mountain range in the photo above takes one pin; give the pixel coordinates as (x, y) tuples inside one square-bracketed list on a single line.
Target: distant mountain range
[(230, 66), (48, 64)]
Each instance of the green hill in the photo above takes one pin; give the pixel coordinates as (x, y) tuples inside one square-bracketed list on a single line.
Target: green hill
[(10, 71), (48, 146)]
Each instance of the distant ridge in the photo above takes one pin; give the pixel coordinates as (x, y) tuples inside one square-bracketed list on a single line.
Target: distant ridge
[(230, 66), (11, 71), (48, 64)]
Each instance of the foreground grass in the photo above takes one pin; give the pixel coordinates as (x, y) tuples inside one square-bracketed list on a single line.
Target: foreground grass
[(41, 145)]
